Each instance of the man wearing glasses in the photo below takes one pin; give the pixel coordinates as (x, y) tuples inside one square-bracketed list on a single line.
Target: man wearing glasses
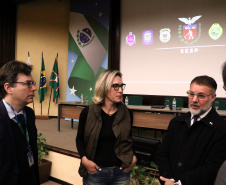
[(18, 133), (194, 146)]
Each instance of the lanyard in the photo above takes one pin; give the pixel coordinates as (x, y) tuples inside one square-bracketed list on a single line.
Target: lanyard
[(20, 126)]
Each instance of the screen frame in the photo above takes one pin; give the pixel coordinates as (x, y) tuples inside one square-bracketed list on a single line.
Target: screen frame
[(114, 55)]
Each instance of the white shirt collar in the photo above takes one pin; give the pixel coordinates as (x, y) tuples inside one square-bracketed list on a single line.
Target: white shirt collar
[(11, 113)]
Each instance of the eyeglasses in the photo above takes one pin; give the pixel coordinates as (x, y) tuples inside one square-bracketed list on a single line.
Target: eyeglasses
[(200, 96), (116, 86), (28, 83)]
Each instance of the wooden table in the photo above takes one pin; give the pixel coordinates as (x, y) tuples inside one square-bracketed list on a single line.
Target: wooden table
[(147, 117), (143, 116), (70, 110)]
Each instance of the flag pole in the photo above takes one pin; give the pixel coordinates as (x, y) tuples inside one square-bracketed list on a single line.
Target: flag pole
[(29, 63), (41, 108), (50, 100), (41, 102)]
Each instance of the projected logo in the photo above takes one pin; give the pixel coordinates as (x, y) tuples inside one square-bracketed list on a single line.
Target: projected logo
[(84, 37), (130, 39), (147, 37), (165, 35), (190, 32), (215, 31)]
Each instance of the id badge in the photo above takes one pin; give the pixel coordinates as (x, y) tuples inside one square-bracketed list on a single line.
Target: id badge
[(30, 158)]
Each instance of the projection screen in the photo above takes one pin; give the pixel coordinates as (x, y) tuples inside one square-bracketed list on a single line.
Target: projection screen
[(165, 44)]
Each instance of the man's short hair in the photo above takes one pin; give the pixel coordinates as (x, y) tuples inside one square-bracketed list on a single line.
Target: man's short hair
[(9, 74), (207, 81), (224, 72)]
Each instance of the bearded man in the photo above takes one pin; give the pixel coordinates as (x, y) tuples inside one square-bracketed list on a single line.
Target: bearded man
[(194, 146)]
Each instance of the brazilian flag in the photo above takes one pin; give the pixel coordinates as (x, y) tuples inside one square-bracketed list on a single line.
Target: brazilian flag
[(90, 43), (42, 84)]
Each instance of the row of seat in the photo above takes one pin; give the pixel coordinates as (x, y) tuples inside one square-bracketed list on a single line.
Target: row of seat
[(138, 100)]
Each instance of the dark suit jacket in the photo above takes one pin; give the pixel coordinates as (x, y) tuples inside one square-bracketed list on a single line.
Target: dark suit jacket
[(193, 154), (9, 169)]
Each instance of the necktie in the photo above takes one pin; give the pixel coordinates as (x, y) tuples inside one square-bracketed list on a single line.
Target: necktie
[(20, 118), (195, 117)]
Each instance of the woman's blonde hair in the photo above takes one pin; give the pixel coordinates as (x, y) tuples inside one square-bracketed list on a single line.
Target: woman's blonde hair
[(103, 85)]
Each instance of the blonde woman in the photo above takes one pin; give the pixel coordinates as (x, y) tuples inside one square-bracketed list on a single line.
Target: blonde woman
[(104, 139)]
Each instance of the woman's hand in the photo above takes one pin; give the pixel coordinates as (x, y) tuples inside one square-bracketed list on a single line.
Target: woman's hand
[(90, 165), (132, 164)]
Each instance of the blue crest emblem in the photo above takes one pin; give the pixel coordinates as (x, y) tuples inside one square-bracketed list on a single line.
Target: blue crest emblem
[(42, 80), (84, 37)]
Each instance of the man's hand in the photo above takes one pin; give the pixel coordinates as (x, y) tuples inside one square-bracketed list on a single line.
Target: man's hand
[(167, 181), (132, 164), (90, 165)]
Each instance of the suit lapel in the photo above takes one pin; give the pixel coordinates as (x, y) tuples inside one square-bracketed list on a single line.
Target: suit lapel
[(5, 127)]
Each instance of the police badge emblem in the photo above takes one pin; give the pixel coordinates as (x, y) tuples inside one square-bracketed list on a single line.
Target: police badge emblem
[(130, 39), (147, 37), (215, 31), (190, 32), (165, 35)]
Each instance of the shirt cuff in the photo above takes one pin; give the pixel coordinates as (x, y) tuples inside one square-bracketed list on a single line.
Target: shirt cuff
[(178, 183)]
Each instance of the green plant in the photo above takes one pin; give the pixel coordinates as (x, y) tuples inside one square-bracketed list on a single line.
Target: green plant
[(144, 176), (42, 147)]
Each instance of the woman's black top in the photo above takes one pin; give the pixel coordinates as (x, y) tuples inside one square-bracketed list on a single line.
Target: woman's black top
[(105, 155)]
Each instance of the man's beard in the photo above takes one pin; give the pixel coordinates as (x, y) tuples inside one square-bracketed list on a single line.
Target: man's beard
[(201, 110)]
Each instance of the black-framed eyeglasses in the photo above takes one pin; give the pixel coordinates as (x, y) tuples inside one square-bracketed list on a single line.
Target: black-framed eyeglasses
[(200, 96), (116, 86), (28, 83)]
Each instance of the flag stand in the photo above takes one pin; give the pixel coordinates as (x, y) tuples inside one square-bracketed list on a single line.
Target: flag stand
[(43, 90), (49, 100), (53, 79), (42, 116), (54, 83)]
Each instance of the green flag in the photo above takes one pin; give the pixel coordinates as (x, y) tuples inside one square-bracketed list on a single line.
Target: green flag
[(42, 84), (54, 82), (91, 53)]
